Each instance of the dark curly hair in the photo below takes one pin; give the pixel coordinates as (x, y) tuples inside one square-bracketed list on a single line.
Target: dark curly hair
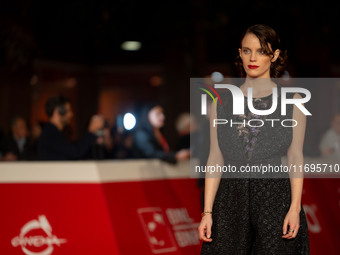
[(266, 36)]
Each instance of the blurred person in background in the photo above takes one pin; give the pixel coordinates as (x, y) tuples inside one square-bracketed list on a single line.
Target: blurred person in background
[(186, 125), (330, 141), (18, 145), (52, 144), (149, 141), (102, 148), (123, 142)]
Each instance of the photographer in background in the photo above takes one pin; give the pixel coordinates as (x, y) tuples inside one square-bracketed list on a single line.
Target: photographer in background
[(52, 144), (102, 148)]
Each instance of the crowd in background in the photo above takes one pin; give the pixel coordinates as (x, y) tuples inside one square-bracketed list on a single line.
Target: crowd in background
[(50, 140)]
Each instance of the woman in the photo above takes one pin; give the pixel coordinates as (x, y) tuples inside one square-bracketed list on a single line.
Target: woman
[(149, 141), (255, 215)]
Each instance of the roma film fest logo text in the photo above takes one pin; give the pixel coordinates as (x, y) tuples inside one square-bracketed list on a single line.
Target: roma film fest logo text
[(37, 244), (238, 104)]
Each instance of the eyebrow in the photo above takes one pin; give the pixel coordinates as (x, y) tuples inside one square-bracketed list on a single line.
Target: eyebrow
[(249, 48)]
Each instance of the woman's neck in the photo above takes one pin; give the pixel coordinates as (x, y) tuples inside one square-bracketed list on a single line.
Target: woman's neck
[(260, 86)]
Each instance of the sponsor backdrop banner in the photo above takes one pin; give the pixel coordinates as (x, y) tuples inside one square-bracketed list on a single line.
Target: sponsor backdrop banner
[(130, 207)]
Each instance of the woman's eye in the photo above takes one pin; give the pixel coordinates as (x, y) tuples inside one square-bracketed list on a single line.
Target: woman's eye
[(246, 51), (261, 51)]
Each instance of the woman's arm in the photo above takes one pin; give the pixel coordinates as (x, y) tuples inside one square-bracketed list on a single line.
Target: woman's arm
[(295, 158), (212, 180)]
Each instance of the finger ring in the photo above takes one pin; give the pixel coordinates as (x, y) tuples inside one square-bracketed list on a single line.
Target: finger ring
[(291, 230)]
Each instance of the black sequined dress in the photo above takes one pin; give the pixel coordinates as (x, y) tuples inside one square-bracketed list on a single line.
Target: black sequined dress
[(248, 212)]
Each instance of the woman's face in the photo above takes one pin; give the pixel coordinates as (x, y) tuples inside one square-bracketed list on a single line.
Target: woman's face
[(156, 117), (255, 62)]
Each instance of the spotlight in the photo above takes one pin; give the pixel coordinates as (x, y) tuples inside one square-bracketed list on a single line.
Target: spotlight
[(131, 45), (129, 121)]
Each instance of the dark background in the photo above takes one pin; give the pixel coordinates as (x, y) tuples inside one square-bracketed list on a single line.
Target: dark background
[(73, 48)]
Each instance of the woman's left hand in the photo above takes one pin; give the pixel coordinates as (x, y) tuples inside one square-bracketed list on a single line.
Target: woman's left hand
[(293, 220)]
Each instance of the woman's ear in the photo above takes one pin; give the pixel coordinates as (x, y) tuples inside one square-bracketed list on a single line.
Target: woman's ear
[(239, 52), (276, 55)]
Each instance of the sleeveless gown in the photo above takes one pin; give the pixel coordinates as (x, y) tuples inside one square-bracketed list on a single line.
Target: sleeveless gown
[(248, 213)]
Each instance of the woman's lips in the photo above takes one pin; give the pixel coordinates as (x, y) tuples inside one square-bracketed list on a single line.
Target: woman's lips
[(252, 66)]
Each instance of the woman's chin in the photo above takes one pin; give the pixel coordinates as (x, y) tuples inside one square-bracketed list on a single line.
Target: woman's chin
[(255, 75)]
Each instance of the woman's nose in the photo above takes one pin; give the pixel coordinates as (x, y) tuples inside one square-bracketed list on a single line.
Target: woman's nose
[(252, 57)]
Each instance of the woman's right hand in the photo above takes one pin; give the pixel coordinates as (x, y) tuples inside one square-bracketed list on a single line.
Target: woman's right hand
[(204, 229)]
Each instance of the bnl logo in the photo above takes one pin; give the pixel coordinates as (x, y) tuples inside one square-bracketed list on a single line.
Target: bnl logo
[(238, 99)]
